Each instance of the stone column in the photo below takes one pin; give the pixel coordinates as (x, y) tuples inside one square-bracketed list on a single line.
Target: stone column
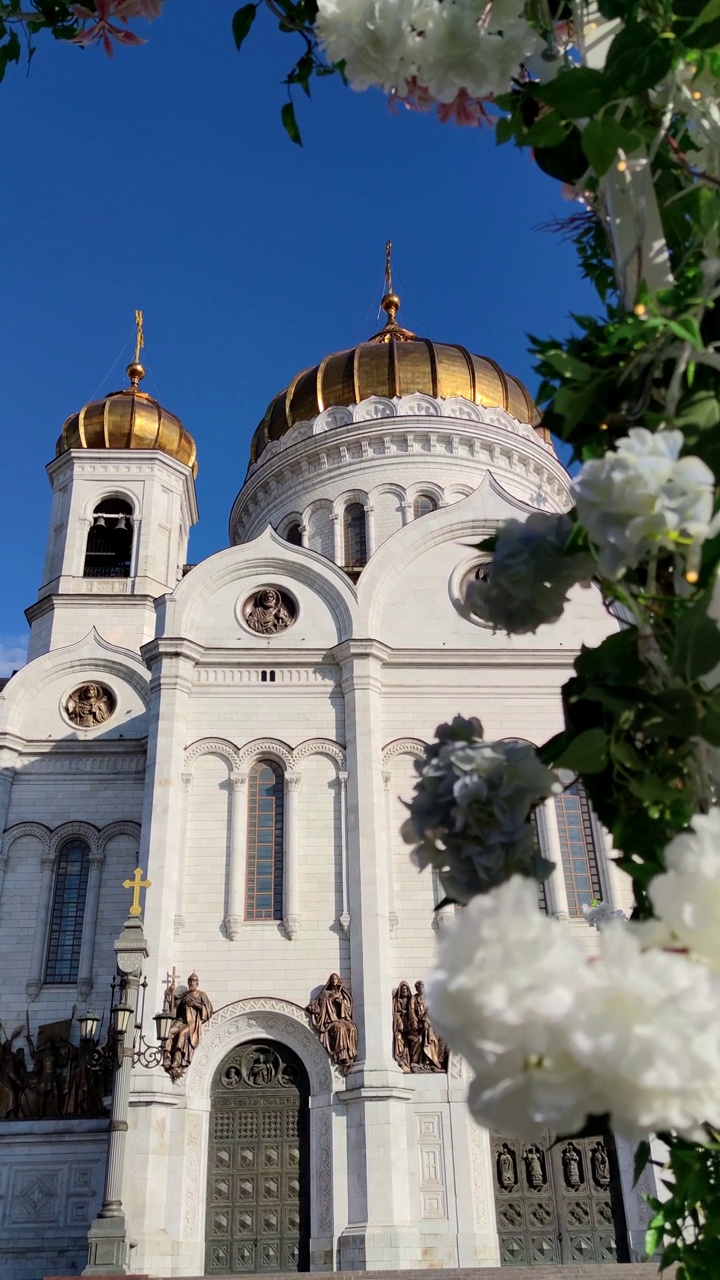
[(615, 892), (135, 550), (392, 913), (47, 881), (344, 914), (557, 899), (381, 1230), (87, 946), (6, 781), (370, 530), (291, 897), (337, 537), (180, 922), (303, 535), (238, 841), (406, 509)]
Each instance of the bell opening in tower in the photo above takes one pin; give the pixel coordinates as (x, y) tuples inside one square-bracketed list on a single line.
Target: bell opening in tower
[(109, 546)]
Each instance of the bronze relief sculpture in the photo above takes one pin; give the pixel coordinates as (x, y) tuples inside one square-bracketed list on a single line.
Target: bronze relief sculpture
[(416, 1047), (191, 1011), (269, 611), (331, 1016), (90, 705)]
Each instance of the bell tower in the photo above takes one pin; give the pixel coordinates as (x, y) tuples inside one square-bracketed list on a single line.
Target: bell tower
[(123, 482)]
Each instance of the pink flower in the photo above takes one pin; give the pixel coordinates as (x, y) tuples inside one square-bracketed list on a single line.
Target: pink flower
[(463, 110), (102, 28), (147, 9)]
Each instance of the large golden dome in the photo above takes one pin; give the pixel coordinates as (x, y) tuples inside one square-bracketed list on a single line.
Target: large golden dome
[(128, 419), (394, 362)]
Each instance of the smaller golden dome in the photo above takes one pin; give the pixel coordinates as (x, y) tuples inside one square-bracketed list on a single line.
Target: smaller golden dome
[(128, 419)]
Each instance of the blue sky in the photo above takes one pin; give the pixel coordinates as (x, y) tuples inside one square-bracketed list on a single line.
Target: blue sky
[(162, 179)]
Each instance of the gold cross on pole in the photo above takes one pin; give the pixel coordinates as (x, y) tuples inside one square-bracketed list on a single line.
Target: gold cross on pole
[(388, 267), (139, 336), (136, 884)]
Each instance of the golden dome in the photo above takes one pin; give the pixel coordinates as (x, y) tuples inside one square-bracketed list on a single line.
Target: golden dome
[(128, 419), (394, 362)]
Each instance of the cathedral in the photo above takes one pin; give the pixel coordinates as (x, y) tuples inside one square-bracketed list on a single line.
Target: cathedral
[(225, 747)]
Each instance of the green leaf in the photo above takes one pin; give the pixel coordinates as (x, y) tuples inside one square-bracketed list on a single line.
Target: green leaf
[(642, 1156), (548, 131), (287, 116), (242, 22), (588, 753), (574, 93), (504, 130), (637, 59), (601, 141), (697, 643)]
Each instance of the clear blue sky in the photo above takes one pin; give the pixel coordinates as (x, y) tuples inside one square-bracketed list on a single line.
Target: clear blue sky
[(162, 179)]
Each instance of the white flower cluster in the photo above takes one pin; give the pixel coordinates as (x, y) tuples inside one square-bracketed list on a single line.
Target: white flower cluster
[(555, 1038), (529, 576), (692, 93), (470, 816), (642, 496), (446, 46), (599, 913)]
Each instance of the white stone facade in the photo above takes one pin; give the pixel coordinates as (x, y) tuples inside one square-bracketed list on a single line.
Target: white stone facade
[(343, 700)]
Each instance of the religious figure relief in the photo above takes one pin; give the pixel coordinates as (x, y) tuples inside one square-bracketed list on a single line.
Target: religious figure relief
[(416, 1047), (269, 611), (60, 1082), (90, 705), (571, 1167), (331, 1016), (600, 1166), (191, 1011), (534, 1169), (506, 1173)]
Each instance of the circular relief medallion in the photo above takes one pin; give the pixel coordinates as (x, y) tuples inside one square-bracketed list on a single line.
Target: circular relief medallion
[(90, 705), (465, 574), (259, 1067), (269, 611)]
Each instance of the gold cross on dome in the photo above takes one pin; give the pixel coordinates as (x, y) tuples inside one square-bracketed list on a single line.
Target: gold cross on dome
[(388, 267), (136, 884), (139, 335)]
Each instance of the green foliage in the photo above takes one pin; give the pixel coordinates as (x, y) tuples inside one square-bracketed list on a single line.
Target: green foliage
[(19, 23)]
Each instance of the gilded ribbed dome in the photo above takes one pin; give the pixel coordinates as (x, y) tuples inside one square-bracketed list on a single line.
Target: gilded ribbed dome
[(128, 419), (394, 362)]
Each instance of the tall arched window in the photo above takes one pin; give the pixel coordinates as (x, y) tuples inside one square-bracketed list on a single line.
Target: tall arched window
[(423, 505), (68, 908), (577, 842), (264, 884), (355, 536), (109, 544), (293, 534)]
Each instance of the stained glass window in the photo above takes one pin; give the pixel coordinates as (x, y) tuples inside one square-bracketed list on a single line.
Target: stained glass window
[(66, 921), (577, 842), (355, 536), (263, 896)]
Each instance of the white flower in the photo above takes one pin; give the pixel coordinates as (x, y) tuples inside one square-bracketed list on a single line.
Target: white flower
[(529, 576), (648, 1029), (643, 496), (687, 896), (599, 914), (508, 981), (445, 45)]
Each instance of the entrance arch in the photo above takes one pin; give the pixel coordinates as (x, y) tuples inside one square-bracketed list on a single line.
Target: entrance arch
[(258, 1184)]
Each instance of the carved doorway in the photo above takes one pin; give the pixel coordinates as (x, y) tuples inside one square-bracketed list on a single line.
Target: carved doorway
[(258, 1200), (559, 1204)]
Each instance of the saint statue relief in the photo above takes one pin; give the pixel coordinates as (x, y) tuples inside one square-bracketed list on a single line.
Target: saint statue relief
[(192, 1010), (90, 705), (416, 1047), (268, 613), (331, 1016)]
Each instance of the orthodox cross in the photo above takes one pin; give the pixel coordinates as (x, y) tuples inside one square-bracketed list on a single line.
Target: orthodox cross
[(388, 267), (136, 884), (139, 335)]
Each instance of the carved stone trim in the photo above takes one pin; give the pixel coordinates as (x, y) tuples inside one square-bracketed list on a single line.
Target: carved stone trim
[(83, 830), (37, 829), (213, 747), (319, 747), (481, 1183), (404, 747), (113, 829), (265, 747)]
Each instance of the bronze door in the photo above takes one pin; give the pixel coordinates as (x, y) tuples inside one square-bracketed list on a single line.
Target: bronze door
[(258, 1163), (558, 1204)]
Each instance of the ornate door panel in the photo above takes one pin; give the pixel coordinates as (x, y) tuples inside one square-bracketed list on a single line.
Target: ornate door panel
[(559, 1204), (258, 1164)]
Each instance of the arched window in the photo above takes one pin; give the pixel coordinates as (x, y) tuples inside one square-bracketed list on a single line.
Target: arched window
[(355, 536), (66, 921), (109, 544), (577, 842), (423, 505), (293, 534), (264, 884)]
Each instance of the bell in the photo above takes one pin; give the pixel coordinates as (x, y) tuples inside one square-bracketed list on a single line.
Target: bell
[(99, 522), (121, 523)]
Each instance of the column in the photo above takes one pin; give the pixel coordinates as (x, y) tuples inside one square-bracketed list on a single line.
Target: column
[(555, 886), (6, 781), (87, 946), (135, 551), (336, 519), (392, 913), (47, 880), (382, 1231), (291, 903), (303, 535), (406, 509), (370, 530), (617, 885), (238, 841), (344, 913), (180, 922)]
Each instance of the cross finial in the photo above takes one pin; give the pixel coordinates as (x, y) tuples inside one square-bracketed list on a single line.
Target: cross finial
[(139, 335), (388, 267), (136, 884)]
